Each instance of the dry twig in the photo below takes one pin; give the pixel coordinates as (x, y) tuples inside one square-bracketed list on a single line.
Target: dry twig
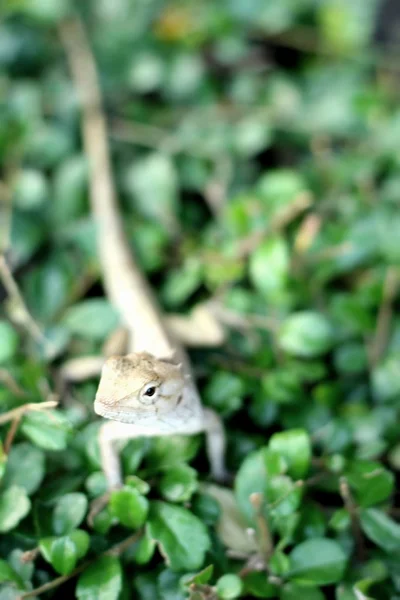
[(16, 297), (116, 550), (384, 318), (248, 244), (352, 509), (15, 415), (8, 380)]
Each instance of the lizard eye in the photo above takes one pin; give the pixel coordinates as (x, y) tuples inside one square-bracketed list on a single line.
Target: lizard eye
[(149, 391)]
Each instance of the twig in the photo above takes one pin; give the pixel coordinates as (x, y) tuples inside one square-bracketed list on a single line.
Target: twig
[(304, 39), (116, 550), (11, 384), (19, 412), (15, 295), (11, 433), (248, 244), (15, 417), (352, 509), (30, 555), (5, 217), (264, 534), (382, 329), (150, 136)]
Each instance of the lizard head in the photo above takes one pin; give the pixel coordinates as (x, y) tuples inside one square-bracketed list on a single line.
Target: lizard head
[(138, 384)]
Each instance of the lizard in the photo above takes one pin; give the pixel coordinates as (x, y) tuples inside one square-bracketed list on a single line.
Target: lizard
[(150, 391)]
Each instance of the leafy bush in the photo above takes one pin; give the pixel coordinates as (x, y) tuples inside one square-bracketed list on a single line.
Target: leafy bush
[(255, 150)]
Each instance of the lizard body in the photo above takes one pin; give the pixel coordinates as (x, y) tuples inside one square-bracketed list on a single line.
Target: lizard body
[(155, 360)]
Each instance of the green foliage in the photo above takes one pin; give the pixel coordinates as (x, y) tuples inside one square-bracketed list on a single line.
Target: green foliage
[(182, 537), (254, 147)]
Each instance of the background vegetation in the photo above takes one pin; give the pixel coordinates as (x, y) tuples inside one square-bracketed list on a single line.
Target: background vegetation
[(256, 155)]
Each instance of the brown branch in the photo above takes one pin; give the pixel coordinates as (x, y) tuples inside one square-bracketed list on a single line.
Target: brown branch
[(17, 413), (11, 434), (5, 217), (16, 297), (115, 550), (8, 380), (352, 509), (264, 534), (248, 244), (384, 318)]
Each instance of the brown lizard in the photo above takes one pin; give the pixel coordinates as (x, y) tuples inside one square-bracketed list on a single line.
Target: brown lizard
[(150, 391)]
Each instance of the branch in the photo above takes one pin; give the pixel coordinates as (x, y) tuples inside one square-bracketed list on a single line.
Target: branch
[(382, 329), (352, 509), (115, 550), (8, 380), (17, 413), (16, 297), (264, 534), (283, 218)]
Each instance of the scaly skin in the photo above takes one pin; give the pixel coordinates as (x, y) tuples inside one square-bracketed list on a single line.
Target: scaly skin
[(177, 406)]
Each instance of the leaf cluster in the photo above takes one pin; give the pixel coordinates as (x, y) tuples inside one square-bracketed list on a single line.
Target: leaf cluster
[(255, 153)]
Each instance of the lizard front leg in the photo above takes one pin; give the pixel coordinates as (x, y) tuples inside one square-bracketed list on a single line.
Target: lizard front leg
[(110, 434), (113, 432)]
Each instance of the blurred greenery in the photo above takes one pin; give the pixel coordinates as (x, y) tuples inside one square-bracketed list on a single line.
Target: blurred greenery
[(255, 147)]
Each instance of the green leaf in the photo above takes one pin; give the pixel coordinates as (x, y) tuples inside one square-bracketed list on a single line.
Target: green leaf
[(229, 586), (225, 392), (381, 529), (64, 552), (293, 591), (129, 506), (294, 446), (182, 537), (69, 195), (258, 586), (203, 576), (48, 429), (371, 482), (69, 513), (144, 550), (251, 478), (283, 495), (30, 189), (21, 566), (319, 561), (168, 451), (183, 282), (279, 188), (8, 574), (179, 483), (14, 506), (100, 581), (25, 467), (306, 334), (152, 181), (269, 267), (93, 319), (8, 341)]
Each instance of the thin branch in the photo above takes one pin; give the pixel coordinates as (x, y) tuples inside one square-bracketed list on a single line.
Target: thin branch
[(248, 244), (11, 433), (264, 534), (384, 318), (5, 217), (8, 380), (16, 297), (352, 509), (116, 550), (17, 413)]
